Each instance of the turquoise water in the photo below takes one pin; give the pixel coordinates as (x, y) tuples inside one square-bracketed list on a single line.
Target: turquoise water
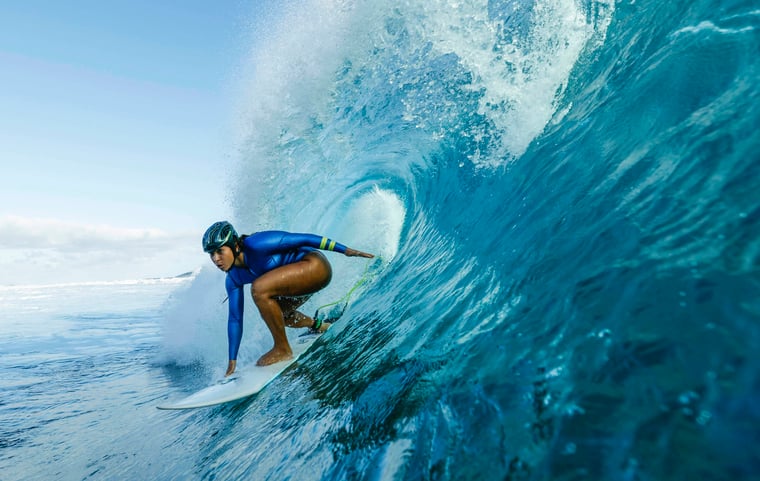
[(564, 195), (80, 381)]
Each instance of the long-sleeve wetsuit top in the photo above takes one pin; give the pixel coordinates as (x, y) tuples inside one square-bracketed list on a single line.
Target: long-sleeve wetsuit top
[(262, 252)]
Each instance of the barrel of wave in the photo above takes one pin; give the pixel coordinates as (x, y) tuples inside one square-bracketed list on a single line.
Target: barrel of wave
[(194, 319)]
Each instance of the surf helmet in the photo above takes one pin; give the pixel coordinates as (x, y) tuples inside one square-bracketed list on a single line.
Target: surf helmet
[(219, 234)]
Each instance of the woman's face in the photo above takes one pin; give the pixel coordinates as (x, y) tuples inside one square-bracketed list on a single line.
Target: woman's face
[(223, 258)]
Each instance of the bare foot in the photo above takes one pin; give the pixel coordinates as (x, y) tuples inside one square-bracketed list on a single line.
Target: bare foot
[(325, 326), (231, 367), (275, 355)]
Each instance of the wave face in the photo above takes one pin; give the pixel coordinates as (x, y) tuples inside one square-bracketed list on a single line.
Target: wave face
[(565, 195)]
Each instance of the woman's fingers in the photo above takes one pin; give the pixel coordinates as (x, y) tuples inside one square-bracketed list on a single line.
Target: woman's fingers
[(355, 253)]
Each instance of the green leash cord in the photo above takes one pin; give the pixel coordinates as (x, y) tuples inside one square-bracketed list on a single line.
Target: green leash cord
[(365, 277)]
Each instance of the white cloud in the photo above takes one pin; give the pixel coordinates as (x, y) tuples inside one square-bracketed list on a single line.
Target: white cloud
[(25, 232), (35, 250)]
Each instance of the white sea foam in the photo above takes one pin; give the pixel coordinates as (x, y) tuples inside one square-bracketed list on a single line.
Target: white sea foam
[(708, 26), (521, 80)]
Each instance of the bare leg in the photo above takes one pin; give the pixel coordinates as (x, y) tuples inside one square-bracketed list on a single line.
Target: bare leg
[(307, 276), (293, 317)]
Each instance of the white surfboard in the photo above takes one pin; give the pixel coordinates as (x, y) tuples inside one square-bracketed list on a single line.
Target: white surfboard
[(243, 383)]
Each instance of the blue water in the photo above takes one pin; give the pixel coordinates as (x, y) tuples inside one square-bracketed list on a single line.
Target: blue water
[(564, 195)]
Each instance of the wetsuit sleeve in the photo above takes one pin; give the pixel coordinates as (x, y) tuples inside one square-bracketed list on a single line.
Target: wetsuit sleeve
[(277, 241), (235, 317)]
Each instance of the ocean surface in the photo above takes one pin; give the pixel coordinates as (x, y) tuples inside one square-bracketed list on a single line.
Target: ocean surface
[(564, 197)]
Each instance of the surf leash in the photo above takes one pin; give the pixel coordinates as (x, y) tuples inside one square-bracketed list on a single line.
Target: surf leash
[(347, 297)]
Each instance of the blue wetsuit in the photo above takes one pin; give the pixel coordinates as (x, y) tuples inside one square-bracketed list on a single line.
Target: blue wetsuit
[(262, 252)]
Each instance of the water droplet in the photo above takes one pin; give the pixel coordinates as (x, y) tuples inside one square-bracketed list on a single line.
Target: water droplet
[(704, 417), (687, 397), (570, 448)]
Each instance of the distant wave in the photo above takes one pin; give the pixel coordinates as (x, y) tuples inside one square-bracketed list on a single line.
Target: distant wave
[(178, 279)]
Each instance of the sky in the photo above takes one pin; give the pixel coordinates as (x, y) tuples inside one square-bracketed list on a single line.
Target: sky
[(117, 122)]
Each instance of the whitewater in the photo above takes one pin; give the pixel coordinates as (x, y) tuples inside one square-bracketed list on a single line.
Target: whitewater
[(563, 195)]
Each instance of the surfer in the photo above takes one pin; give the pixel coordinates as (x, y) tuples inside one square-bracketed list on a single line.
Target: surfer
[(284, 270)]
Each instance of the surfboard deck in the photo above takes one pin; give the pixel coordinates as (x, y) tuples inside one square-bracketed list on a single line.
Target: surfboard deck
[(244, 382)]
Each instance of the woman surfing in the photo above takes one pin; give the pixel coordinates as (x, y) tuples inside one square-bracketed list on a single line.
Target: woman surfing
[(284, 270)]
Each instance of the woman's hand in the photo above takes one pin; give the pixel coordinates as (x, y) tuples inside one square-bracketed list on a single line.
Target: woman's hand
[(230, 368), (355, 253)]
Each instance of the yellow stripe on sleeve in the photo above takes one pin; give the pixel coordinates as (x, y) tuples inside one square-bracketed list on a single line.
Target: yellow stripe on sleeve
[(323, 243)]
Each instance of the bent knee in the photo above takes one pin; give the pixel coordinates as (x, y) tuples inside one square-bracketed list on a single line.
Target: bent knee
[(259, 292)]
